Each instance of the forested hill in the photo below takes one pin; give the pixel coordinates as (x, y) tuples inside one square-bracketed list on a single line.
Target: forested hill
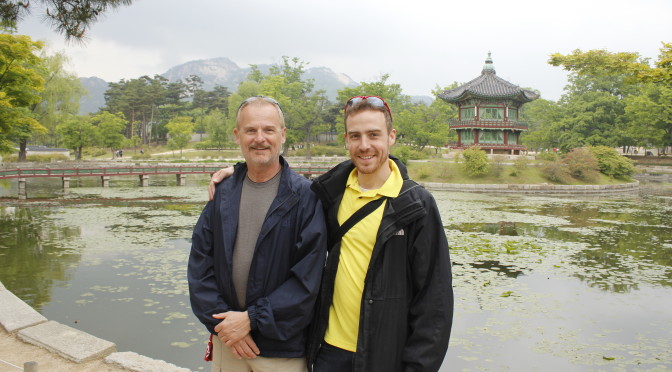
[(218, 71)]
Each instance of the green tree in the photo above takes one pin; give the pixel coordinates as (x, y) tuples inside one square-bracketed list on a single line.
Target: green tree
[(421, 125), (60, 97), (541, 116), (20, 87), (632, 65), (592, 112), (218, 128), (70, 18), (76, 133), (180, 130), (303, 108), (140, 100), (110, 130), (634, 71), (651, 116)]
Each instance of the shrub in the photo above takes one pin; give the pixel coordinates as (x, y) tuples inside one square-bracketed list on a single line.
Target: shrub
[(611, 163), (475, 162), (497, 165), (519, 166), (42, 158), (582, 164), (548, 156), (406, 153), (94, 152), (316, 150), (556, 171), (403, 153)]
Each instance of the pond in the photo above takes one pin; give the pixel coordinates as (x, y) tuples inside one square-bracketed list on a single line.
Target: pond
[(541, 283)]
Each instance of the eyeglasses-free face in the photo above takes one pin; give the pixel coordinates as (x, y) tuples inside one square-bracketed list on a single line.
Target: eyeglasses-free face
[(372, 100)]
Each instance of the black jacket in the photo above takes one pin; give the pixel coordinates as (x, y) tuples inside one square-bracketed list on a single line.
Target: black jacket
[(286, 268), (407, 303)]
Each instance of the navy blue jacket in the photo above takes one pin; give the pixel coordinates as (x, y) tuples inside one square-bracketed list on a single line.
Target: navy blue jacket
[(407, 305), (285, 272)]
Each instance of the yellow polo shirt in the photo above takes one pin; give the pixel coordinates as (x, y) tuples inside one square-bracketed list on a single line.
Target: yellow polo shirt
[(356, 248)]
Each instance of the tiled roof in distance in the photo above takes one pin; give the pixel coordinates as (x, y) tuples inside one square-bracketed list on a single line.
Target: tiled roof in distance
[(488, 85)]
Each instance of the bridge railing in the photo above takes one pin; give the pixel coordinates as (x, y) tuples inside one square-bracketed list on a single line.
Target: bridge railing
[(131, 170)]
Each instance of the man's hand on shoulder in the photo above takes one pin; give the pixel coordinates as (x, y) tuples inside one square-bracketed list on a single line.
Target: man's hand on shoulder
[(218, 177)]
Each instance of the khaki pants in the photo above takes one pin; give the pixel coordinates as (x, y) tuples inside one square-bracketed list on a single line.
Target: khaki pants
[(224, 361)]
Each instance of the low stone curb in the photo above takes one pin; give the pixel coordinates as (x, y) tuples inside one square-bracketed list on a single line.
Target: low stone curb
[(16, 314), (30, 326), (70, 343), (139, 363), (534, 188)]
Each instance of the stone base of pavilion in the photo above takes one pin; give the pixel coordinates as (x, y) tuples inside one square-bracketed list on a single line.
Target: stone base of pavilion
[(495, 149)]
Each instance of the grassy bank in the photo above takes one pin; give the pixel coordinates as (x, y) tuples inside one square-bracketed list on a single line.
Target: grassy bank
[(447, 171)]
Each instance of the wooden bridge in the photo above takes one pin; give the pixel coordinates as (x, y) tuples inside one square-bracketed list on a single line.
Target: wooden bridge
[(143, 173)]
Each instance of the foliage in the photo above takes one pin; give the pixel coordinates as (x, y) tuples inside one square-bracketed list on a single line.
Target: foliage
[(548, 156), (475, 162), (70, 18), (60, 97), (180, 130), (391, 93), (421, 125), (218, 128), (611, 163), (77, 132), (40, 158), (20, 86), (541, 115), (304, 109), (631, 65), (519, 166), (110, 127), (406, 153), (647, 107), (323, 151), (651, 115), (581, 164), (497, 165), (556, 171)]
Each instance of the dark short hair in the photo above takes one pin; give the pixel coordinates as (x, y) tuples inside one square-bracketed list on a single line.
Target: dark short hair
[(363, 105)]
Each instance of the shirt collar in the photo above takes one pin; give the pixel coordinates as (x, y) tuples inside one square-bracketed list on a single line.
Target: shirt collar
[(390, 188)]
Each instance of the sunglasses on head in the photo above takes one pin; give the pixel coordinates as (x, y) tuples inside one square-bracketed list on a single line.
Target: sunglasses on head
[(374, 101), (255, 98)]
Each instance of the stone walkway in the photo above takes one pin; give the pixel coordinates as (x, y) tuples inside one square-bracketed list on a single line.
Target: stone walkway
[(27, 336)]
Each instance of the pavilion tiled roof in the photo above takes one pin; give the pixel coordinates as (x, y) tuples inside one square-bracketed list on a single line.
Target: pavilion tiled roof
[(488, 85)]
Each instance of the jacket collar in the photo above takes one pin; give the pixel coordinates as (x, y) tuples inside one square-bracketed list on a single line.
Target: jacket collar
[(331, 185)]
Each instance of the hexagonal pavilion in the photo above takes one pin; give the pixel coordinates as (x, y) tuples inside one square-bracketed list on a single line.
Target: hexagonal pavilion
[(489, 112)]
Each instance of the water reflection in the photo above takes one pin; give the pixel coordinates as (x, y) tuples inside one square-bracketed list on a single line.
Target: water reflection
[(35, 253), (561, 281)]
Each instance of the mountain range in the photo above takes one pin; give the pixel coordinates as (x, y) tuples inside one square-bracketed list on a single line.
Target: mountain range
[(224, 72)]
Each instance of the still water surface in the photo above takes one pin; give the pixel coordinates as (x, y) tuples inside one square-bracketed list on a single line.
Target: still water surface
[(541, 283)]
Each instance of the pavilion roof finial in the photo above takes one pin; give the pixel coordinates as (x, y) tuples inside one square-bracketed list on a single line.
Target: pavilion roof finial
[(489, 68)]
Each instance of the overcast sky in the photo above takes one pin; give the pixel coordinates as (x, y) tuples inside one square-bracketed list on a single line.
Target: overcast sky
[(420, 43)]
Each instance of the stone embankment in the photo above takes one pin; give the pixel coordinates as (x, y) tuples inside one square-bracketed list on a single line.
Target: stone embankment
[(30, 337), (535, 188)]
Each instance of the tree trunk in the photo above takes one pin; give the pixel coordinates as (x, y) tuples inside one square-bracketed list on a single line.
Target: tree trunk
[(78, 153), (22, 150)]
